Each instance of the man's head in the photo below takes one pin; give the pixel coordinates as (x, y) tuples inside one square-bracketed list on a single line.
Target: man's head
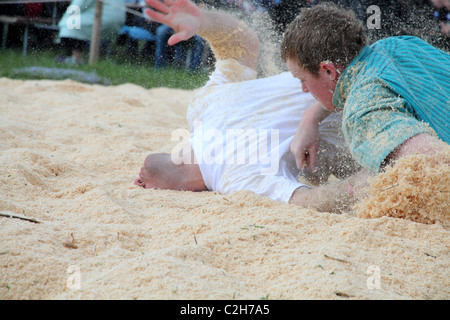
[(319, 44)]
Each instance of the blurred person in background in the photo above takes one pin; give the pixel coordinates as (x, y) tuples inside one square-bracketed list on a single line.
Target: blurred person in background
[(75, 26), (441, 14)]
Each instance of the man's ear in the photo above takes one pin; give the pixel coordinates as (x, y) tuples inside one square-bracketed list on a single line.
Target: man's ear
[(329, 70)]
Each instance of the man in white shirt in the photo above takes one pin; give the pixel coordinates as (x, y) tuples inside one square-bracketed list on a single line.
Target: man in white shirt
[(240, 126)]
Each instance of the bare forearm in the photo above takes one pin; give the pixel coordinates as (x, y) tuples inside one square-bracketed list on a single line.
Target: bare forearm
[(229, 37), (338, 196), (419, 144), (316, 113), (305, 144)]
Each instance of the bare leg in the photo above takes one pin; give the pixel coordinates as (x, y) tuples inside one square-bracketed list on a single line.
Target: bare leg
[(78, 55)]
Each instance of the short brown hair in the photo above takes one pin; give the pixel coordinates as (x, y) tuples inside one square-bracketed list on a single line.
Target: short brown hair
[(323, 33)]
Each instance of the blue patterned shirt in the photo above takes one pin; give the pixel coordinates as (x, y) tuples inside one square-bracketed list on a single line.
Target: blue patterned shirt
[(395, 89)]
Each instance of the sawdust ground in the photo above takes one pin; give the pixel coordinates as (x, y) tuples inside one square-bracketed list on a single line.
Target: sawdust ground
[(68, 155)]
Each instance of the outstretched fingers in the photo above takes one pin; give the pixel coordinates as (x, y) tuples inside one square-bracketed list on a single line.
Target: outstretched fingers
[(156, 16), (182, 16), (158, 11), (178, 37), (158, 5)]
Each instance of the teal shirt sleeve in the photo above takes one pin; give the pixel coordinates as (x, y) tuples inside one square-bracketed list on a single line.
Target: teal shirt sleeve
[(376, 120)]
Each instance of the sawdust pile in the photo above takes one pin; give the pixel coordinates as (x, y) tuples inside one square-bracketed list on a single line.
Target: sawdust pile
[(416, 188)]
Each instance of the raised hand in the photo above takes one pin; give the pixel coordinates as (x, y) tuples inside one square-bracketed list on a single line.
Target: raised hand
[(227, 36), (305, 144), (181, 15)]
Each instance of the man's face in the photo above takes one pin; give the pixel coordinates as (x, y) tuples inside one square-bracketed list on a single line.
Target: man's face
[(321, 86)]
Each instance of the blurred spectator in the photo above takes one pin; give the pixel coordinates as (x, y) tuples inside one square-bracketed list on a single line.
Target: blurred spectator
[(179, 54), (196, 44), (421, 23), (77, 23), (143, 29), (441, 14)]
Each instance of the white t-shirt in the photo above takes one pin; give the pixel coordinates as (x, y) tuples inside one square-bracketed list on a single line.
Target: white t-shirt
[(241, 128)]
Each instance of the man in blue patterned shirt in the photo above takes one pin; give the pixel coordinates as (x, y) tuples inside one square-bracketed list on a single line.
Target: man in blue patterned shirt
[(395, 94)]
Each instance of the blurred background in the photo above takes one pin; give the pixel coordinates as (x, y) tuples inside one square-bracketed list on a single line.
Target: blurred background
[(52, 38)]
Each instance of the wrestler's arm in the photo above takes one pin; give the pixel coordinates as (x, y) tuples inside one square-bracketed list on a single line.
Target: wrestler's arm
[(338, 196), (422, 143), (341, 195), (305, 144), (227, 36)]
